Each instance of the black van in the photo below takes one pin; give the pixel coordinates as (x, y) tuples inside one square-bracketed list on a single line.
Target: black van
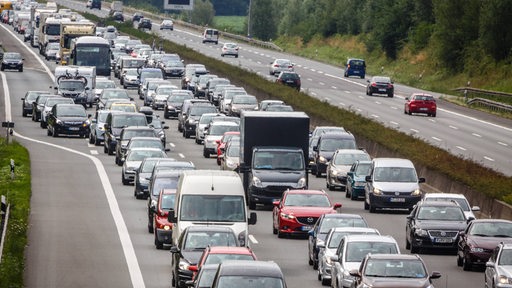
[(355, 67)]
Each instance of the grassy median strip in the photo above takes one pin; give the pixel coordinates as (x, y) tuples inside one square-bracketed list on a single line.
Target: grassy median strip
[(17, 191)]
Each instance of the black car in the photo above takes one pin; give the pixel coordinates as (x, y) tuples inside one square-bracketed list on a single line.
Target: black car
[(144, 24), (436, 225), (193, 240), (12, 61), (38, 105), (288, 78), (319, 232), (325, 147), (380, 85), (69, 119), (28, 100), (137, 17), (232, 273), (115, 122), (172, 68), (142, 176), (128, 133), (174, 103), (193, 115), (118, 16)]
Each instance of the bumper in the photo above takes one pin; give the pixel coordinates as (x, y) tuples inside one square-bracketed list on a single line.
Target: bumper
[(479, 258), (157, 105), (334, 181), (388, 201), (432, 243), (183, 276), (321, 167), (72, 130), (267, 195), (129, 175), (358, 192), (164, 236)]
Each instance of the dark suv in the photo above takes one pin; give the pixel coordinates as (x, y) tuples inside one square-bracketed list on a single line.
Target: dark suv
[(435, 225), (288, 78), (355, 67), (327, 144), (144, 24), (13, 61), (115, 122)]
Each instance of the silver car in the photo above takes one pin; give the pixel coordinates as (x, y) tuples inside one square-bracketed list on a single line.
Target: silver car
[(229, 49), (279, 65), (329, 247), (498, 270), (340, 164), (133, 159), (242, 102), (167, 24)]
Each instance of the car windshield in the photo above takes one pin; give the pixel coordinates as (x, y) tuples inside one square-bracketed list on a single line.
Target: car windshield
[(214, 208), (381, 80), (336, 237), (242, 99), (218, 130), (356, 63), (362, 169), (218, 258), (505, 257), (128, 120), (164, 183), (174, 63), (151, 74), (117, 94), (164, 90), (139, 155), (443, 213), (123, 107), (12, 56), (349, 159), (283, 62), (307, 200), (395, 174), (71, 111), (102, 117), (146, 144), (52, 101), (230, 93), (250, 281), (105, 84), (491, 229), (168, 201), (199, 240), (131, 72), (395, 268), (327, 144), (206, 278), (72, 85), (200, 110), (278, 160), (357, 250), (233, 151), (128, 134), (333, 222)]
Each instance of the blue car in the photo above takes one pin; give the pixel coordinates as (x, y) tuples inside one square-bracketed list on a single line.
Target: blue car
[(355, 67), (356, 179)]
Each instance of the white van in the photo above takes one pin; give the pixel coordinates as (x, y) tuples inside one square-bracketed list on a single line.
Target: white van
[(211, 35), (211, 197)]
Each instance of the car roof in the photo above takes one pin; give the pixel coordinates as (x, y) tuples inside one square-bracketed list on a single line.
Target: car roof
[(351, 151), (354, 229), (250, 268), (444, 195), (395, 256), (392, 162), (143, 128), (438, 203), (300, 191), (224, 123), (337, 134), (343, 215), (370, 238), (141, 138), (230, 250)]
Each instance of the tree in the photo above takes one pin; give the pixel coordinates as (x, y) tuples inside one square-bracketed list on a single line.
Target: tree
[(263, 24), (495, 23), (203, 13)]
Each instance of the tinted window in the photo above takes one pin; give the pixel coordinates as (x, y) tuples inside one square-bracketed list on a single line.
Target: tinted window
[(310, 200), (356, 251), (395, 268), (328, 223), (200, 240), (215, 208), (250, 282), (395, 174)]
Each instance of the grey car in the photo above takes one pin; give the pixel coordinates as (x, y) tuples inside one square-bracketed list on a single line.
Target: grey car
[(97, 133), (279, 65)]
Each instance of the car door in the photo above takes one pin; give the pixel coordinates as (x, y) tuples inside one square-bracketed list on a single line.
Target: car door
[(410, 222), (336, 270), (313, 236)]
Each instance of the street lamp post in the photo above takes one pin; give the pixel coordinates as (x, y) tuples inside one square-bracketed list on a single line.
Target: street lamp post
[(249, 20)]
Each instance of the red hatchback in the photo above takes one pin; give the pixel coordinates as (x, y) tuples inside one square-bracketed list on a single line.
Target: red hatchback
[(420, 103), (298, 210), (163, 228), (217, 254), (222, 143)]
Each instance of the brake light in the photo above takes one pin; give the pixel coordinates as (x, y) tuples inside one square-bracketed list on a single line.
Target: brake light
[(348, 66), (275, 65), (374, 84), (390, 86)]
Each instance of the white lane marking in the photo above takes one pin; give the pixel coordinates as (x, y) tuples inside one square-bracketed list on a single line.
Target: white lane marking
[(476, 135), (393, 107), (309, 79), (122, 231), (415, 131), (342, 104), (313, 70), (375, 116), (394, 123), (253, 240), (313, 93), (488, 158), (320, 72), (89, 144), (172, 145), (334, 87), (348, 92), (181, 155), (503, 144), (321, 83), (94, 152), (359, 110), (437, 139), (453, 127), (461, 148)]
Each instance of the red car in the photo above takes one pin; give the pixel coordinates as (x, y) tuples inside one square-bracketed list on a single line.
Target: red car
[(298, 210), (217, 254), (420, 103), (222, 143), (163, 228)]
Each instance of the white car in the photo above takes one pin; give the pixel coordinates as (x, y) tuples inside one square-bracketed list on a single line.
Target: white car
[(167, 24), (459, 198), (229, 49), (214, 133)]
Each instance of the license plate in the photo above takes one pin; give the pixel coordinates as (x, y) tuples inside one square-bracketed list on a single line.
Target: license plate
[(397, 200), (382, 90), (423, 109), (307, 228), (356, 72), (290, 81), (443, 240), (74, 128)]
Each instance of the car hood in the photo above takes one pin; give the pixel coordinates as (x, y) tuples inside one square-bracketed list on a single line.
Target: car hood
[(396, 186), (487, 242), (132, 164), (326, 154), (377, 282), (505, 270), (192, 256), (441, 225), (342, 168), (307, 211), (72, 119), (281, 176)]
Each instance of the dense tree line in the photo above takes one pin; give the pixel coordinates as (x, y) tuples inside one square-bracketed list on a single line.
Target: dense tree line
[(457, 29)]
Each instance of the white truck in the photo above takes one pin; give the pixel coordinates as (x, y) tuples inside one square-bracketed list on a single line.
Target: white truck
[(116, 6), (84, 96)]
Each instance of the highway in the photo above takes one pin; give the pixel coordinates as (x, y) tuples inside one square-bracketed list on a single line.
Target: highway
[(87, 230)]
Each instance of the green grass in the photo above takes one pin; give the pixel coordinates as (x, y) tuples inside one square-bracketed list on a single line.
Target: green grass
[(231, 24), (18, 193)]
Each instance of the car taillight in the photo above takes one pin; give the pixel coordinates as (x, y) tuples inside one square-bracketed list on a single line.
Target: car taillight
[(390, 86), (374, 84), (275, 65), (290, 66), (348, 66)]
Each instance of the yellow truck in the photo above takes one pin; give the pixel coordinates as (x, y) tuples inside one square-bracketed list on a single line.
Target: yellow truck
[(71, 30)]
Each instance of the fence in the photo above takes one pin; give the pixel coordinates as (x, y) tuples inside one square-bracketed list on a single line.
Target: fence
[(489, 104)]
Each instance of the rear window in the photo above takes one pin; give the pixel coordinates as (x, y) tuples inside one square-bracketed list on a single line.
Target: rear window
[(356, 63)]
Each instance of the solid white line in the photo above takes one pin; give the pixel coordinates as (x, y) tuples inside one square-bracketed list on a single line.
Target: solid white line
[(503, 144), (172, 145), (321, 83), (415, 131), (488, 158), (394, 108), (393, 122), (334, 87), (253, 240), (461, 148), (342, 104), (124, 236), (375, 116)]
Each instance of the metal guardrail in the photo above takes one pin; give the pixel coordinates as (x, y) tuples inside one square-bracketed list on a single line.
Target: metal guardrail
[(493, 105), (482, 91)]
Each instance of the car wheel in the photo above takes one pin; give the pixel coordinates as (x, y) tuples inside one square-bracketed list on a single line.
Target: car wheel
[(325, 282), (159, 245), (466, 264), (318, 174), (125, 182), (117, 160), (105, 150), (366, 206), (21, 69), (24, 113), (280, 234), (459, 260), (110, 152), (2, 68), (91, 139), (390, 95), (252, 205), (352, 196), (187, 136), (97, 142), (414, 249), (348, 194), (410, 113), (197, 140), (372, 208), (433, 114), (274, 230), (369, 93), (315, 264), (407, 244), (362, 76), (206, 154), (48, 132), (330, 187), (42, 124)]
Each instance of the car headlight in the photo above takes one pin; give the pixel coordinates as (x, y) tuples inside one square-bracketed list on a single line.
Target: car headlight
[(359, 183), (153, 203), (301, 183), (287, 216), (322, 159), (420, 232), (191, 121), (504, 280), (319, 242), (241, 238), (328, 260), (256, 182), (231, 164), (334, 172), (59, 122), (377, 191), (476, 249), (416, 192), (167, 227), (183, 265)]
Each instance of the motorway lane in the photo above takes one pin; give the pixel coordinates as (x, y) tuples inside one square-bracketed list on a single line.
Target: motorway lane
[(102, 250)]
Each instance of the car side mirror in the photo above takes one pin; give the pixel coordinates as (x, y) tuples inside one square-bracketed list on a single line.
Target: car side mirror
[(355, 273), (253, 218), (368, 81), (435, 275), (421, 180), (171, 217), (470, 219), (166, 127), (489, 264), (322, 245), (315, 148), (368, 178), (174, 249), (167, 149), (337, 205), (276, 203), (406, 98), (475, 208)]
